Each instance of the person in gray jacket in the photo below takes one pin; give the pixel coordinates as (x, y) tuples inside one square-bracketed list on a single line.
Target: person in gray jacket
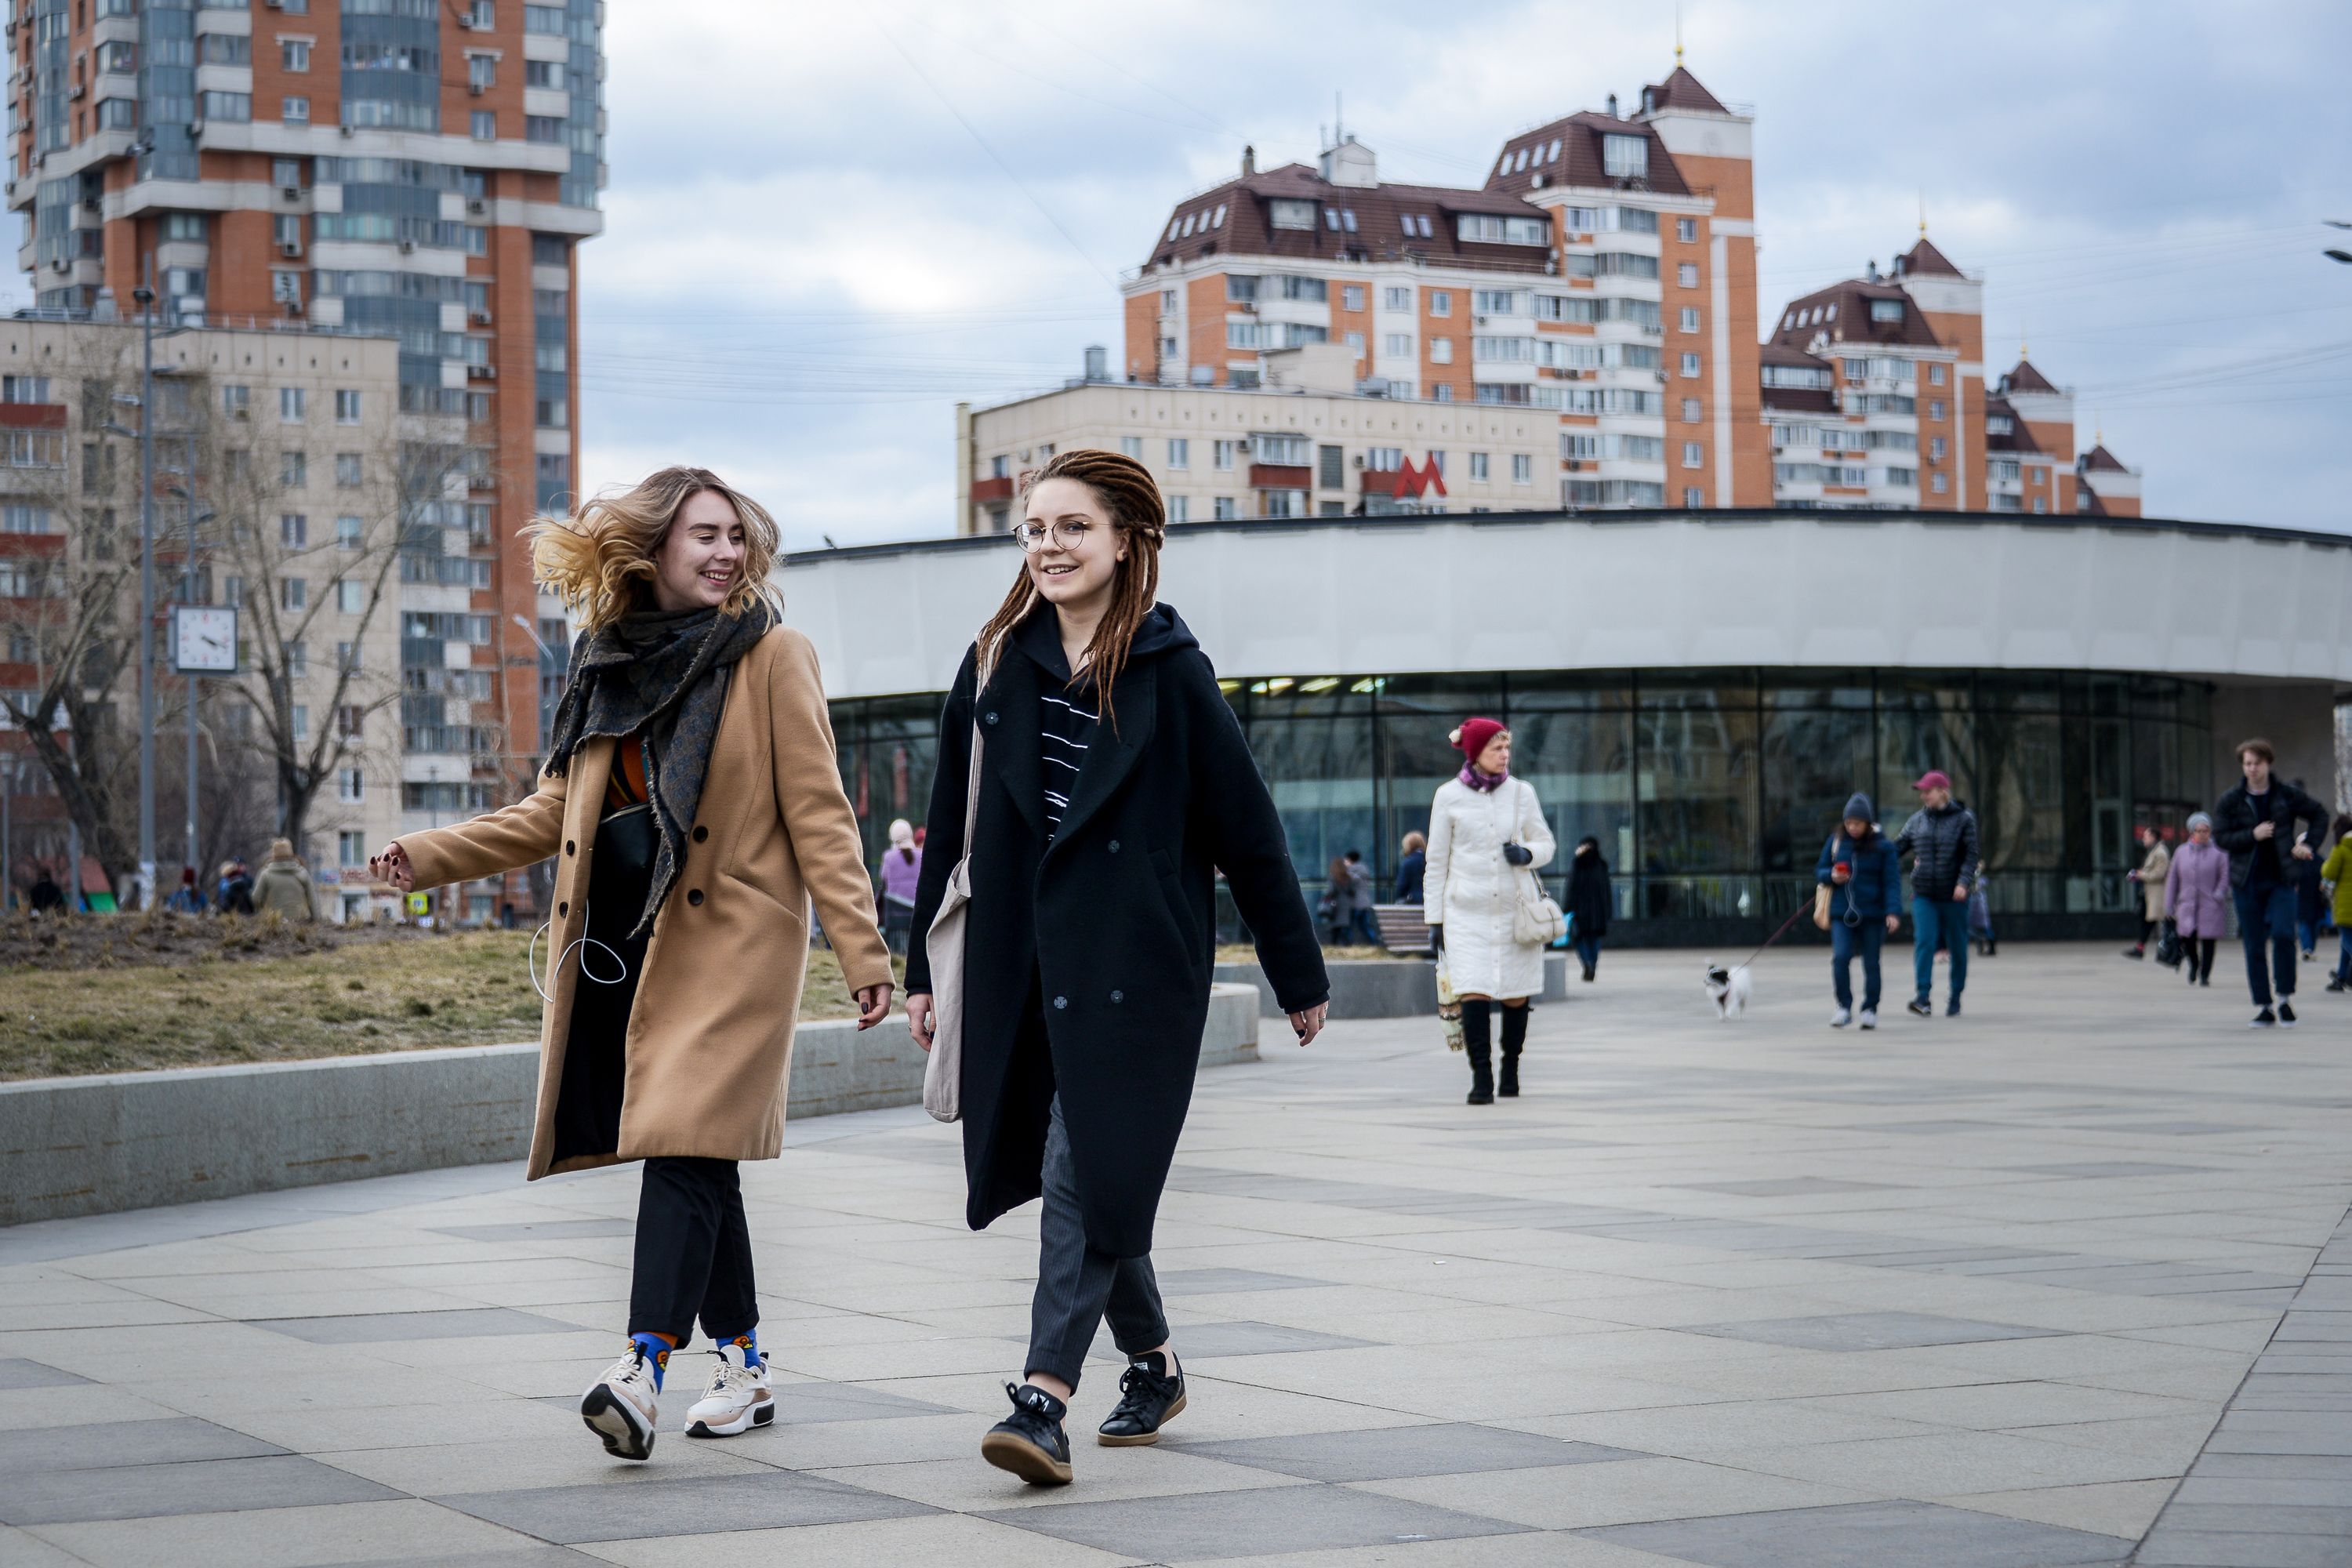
[(1941, 838)]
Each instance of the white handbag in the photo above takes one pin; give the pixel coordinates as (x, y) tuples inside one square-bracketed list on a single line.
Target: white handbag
[(943, 1072), (1535, 917)]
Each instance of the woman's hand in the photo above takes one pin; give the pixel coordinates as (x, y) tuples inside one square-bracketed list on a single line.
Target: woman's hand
[(873, 1005), (1437, 936), (1310, 1023), (922, 1023), (390, 864), (1518, 854), (1893, 921)]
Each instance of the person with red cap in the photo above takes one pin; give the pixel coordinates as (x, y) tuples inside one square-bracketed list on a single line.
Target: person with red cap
[(1941, 838), (1487, 834)]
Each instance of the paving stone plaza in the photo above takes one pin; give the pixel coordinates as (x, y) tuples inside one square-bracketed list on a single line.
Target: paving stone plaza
[(2067, 1280)]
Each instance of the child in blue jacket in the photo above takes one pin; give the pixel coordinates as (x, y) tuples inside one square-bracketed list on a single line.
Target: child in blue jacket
[(1863, 874)]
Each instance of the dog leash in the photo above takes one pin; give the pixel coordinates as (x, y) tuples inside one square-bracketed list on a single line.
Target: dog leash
[(1776, 936)]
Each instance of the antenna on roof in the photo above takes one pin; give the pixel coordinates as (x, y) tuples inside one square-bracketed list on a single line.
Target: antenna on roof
[(1923, 212), (1337, 133), (2021, 345), (1678, 34)]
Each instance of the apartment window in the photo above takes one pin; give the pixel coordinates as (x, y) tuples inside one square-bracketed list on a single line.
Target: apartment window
[(481, 15), (228, 108), (1687, 275), (1690, 366), (1887, 310), (294, 109), (351, 786), (1690, 411), (294, 531), (1523, 469), (484, 127), (1397, 345), (2041, 504), (1224, 456), (1625, 157), (1224, 510), (543, 127), (1694, 455), (1686, 229), (1478, 468), (301, 722), (1693, 496), (1179, 509), (349, 531), (347, 470), (1935, 449), (1939, 483), (1132, 447), (1356, 342), (1441, 351), (1688, 320), (294, 53), (1396, 299), (482, 72), (291, 405), (293, 593), (236, 402), (1351, 297), (1180, 452), (1441, 302), (351, 721), (1000, 468), (351, 596), (293, 469), (347, 406), (1936, 409), (1934, 376), (1441, 393)]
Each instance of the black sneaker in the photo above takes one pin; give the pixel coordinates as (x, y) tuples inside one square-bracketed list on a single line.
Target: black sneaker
[(2135, 953), (1149, 1396), (1480, 1097), (1920, 1006), (1952, 1008), (2263, 1019), (2336, 984), (2286, 1013), (1029, 1442)]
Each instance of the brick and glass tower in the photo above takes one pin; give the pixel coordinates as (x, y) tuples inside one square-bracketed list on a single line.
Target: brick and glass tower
[(415, 169)]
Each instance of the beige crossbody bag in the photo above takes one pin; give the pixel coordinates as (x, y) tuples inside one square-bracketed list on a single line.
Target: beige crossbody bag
[(943, 1073)]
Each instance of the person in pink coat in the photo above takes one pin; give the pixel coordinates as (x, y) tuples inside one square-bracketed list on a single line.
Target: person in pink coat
[(2197, 897)]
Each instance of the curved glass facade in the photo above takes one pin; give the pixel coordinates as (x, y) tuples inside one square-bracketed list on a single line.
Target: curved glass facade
[(1710, 790)]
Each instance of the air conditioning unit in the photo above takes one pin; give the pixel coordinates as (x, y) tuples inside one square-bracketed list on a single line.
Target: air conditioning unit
[(293, 307), (1574, 373), (481, 373), (475, 89), (407, 248), (289, 248), (78, 90), (291, 192), (477, 207), (480, 317), (245, 414)]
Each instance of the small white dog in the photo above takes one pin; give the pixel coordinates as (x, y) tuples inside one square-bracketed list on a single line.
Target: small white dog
[(1729, 988)]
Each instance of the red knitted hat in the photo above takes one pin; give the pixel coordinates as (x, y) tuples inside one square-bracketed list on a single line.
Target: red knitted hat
[(1474, 733)]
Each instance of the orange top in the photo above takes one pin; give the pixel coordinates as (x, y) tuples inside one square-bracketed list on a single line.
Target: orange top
[(628, 782)]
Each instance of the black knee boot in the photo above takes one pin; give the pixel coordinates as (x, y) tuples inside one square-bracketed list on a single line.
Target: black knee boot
[(1514, 1036), (1477, 1047)]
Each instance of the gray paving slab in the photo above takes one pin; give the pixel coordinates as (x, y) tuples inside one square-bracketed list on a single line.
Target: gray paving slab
[(1869, 1332), (540, 1230), (121, 1445), (1210, 1525), (815, 1404), (17, 1372), (1229, 1281), (1867, 1535), (1394, 1452), (703, 1505), (1787, 1187), (202, 1485), (384, 1328), (1205, 1341), (2087, 1170)]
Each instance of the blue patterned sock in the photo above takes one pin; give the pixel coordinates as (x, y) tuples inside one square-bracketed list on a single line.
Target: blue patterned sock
[(748, 1340), (656, 1348)]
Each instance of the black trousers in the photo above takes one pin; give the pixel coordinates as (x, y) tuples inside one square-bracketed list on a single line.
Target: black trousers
[(694, 1252), (1078, 1287), (2199, 951)]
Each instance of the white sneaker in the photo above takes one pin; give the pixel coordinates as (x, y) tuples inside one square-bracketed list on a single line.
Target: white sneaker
[(737, 1400), (619, 1407), (1870, 1017), (1841, 1019)]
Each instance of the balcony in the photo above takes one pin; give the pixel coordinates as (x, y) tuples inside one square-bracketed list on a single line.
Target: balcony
[(992, 490), (1281, 477)]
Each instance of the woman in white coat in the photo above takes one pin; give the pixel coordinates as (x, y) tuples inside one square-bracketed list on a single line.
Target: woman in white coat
[(1486, 838)]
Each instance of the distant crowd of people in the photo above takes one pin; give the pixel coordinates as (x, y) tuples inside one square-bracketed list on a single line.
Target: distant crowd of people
[(283, 886)]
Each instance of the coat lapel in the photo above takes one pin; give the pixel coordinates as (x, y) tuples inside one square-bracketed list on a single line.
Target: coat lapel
[(1012, 742), (1110, 756)]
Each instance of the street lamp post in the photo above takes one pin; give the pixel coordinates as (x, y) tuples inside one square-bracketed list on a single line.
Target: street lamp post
[(186, 492), (145, 295), (7, 826)]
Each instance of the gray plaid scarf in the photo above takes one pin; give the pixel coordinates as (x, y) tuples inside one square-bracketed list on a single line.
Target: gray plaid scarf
[(664, 673)]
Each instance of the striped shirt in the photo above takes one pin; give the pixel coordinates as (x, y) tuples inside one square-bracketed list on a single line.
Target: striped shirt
[(1065, 732)]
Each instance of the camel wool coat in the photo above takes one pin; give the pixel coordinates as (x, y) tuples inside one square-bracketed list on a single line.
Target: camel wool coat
[(709, 1044)]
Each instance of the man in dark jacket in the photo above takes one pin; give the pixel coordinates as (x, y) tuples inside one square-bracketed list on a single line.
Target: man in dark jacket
[(1941, 838), (1410, 869), (2255, 822)]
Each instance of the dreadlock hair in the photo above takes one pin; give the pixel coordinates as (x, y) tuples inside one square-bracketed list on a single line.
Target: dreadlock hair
[(600, 561), (1125, 489)]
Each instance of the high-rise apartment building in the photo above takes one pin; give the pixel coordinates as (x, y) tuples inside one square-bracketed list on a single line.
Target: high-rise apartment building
[(415, 169), (1875, 394), (1605, 273)]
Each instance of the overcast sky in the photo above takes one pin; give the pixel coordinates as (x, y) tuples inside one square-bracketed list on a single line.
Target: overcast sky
[(827, 224)]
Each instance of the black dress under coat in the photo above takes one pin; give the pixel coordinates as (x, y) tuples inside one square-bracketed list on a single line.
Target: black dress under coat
[(1109, 929)]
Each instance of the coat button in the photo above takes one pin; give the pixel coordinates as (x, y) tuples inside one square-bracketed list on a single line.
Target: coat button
[(694, 895), (701, 834), (989, 717), (1119, 995), (1114, 846), (571, 847), (562, 909), (1061, 1002)]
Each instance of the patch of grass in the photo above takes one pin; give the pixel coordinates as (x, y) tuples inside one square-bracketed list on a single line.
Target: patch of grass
[(192, 993)]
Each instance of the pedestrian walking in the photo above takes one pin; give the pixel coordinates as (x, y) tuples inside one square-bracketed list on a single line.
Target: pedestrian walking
[(234, 896), (1980, 914), (1339, 903), (2196, 898), (2149, 874), (2256, 822), (1367, 927), (1941, 838), (1410, 869), (1863, 874), (1589, 902), (1487, 837), (2310, 902), (45, 897), (284, 886), (902, 870), (2337, 876), (1114, 784), (694, 806), (187, 898)]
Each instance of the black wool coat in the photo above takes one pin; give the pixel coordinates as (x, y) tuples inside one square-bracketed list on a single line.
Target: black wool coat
[(1588, 897), (1087, 960), (2234, 822)]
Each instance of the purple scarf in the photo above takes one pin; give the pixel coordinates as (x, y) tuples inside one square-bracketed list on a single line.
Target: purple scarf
[(1484, 783)]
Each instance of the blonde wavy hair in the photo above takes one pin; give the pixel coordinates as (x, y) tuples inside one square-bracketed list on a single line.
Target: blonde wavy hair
[(600, 560)]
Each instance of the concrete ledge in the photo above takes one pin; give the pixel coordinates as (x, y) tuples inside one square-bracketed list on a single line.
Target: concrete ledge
[(1384, 987), (125, 1141)]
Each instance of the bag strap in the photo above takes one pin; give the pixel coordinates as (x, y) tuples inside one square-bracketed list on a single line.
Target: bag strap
[(971, 794)]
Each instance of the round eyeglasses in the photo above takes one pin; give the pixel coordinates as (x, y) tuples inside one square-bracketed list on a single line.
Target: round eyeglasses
[(1068, 534)]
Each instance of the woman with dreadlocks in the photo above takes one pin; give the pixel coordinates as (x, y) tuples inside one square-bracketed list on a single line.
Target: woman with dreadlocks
[(693, 804), (1114, 784)]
